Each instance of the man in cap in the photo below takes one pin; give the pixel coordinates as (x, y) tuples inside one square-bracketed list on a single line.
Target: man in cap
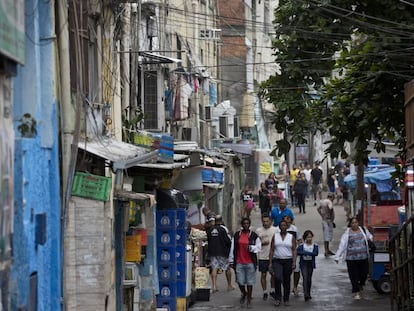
[(219, 243)]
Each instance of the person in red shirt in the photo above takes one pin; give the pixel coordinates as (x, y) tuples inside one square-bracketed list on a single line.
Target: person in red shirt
[(243, 258)]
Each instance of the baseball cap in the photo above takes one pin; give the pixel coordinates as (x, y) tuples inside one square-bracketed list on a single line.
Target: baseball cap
[(211, 217)]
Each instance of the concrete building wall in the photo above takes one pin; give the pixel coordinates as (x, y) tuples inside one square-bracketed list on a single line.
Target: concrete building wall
[(36, 270), (89, 282)]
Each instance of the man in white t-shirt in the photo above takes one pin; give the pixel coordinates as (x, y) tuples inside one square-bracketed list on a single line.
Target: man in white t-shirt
[(265, 233)]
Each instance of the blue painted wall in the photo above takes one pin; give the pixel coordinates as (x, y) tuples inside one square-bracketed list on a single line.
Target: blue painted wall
[(36, 179)]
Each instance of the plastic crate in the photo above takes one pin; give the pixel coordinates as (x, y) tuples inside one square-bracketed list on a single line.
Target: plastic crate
[(167, 273), (166, 237), (166, 219), (166, 255), (181, 237), (167, 303), (181, 288), (180, 253), (91, 186), (180, 219), (180, 272), (168, 290)]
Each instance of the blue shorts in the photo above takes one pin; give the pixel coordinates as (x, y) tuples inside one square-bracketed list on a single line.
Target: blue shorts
[(246, 274)]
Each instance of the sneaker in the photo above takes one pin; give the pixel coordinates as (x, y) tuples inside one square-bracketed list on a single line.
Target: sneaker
[(286, 303), (357, 296), (273, 295), (265, 295), (243, 299), (277, 303)]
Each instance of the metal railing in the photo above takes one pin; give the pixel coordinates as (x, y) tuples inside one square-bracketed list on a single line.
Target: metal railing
[(402, 267)]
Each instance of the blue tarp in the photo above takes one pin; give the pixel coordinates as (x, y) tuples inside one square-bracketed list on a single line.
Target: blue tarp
[(381, 177)]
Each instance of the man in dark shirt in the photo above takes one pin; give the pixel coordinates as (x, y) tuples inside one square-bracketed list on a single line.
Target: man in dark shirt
[(316, 182), (219, 243)]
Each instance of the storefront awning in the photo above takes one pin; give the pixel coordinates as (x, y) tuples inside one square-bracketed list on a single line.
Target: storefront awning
[(153, 58), (123, 155)]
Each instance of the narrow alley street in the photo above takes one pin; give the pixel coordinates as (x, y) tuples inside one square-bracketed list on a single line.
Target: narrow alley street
[(331, 288)]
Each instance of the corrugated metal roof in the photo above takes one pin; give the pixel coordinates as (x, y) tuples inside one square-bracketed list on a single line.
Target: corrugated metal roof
[(118, 151)]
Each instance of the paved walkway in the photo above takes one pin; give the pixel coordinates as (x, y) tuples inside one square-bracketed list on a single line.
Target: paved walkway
[(331, 289)]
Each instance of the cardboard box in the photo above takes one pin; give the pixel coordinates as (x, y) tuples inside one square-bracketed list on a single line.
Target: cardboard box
[(201, 277)]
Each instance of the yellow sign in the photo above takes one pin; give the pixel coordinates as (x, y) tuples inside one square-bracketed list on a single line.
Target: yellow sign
[(265, 168), (133, 248)]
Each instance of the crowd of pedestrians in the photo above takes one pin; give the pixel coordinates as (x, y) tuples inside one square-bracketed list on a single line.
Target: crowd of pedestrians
[(277, 249)]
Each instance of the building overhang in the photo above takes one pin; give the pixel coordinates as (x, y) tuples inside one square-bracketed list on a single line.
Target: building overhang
[(121, 154), (153, 58)]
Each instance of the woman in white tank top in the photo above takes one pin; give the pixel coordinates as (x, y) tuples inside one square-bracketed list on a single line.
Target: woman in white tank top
[(282, 262)]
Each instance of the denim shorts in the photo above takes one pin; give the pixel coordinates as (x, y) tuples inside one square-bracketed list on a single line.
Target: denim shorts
[(246, 274)]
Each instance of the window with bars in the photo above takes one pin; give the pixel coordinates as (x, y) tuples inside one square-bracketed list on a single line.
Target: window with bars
[(150, 100)]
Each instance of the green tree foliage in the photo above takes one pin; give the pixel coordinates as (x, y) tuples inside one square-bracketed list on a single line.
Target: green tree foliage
[(343, 69)]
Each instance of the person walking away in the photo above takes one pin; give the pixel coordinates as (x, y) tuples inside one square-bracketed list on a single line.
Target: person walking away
[(299, 191), (264, 199), (354, 249), (341, 184), (265, 233), (293, 175), (316, 182), (330, 180), (247, 200), (279, 212), (327, 213), (218, 248), (307, 172), (307, 253), (282, 261), (244, 247)]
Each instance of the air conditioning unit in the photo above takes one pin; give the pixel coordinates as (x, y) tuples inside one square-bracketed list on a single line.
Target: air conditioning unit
[(207, 113), (210, 34), (190, 133)]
